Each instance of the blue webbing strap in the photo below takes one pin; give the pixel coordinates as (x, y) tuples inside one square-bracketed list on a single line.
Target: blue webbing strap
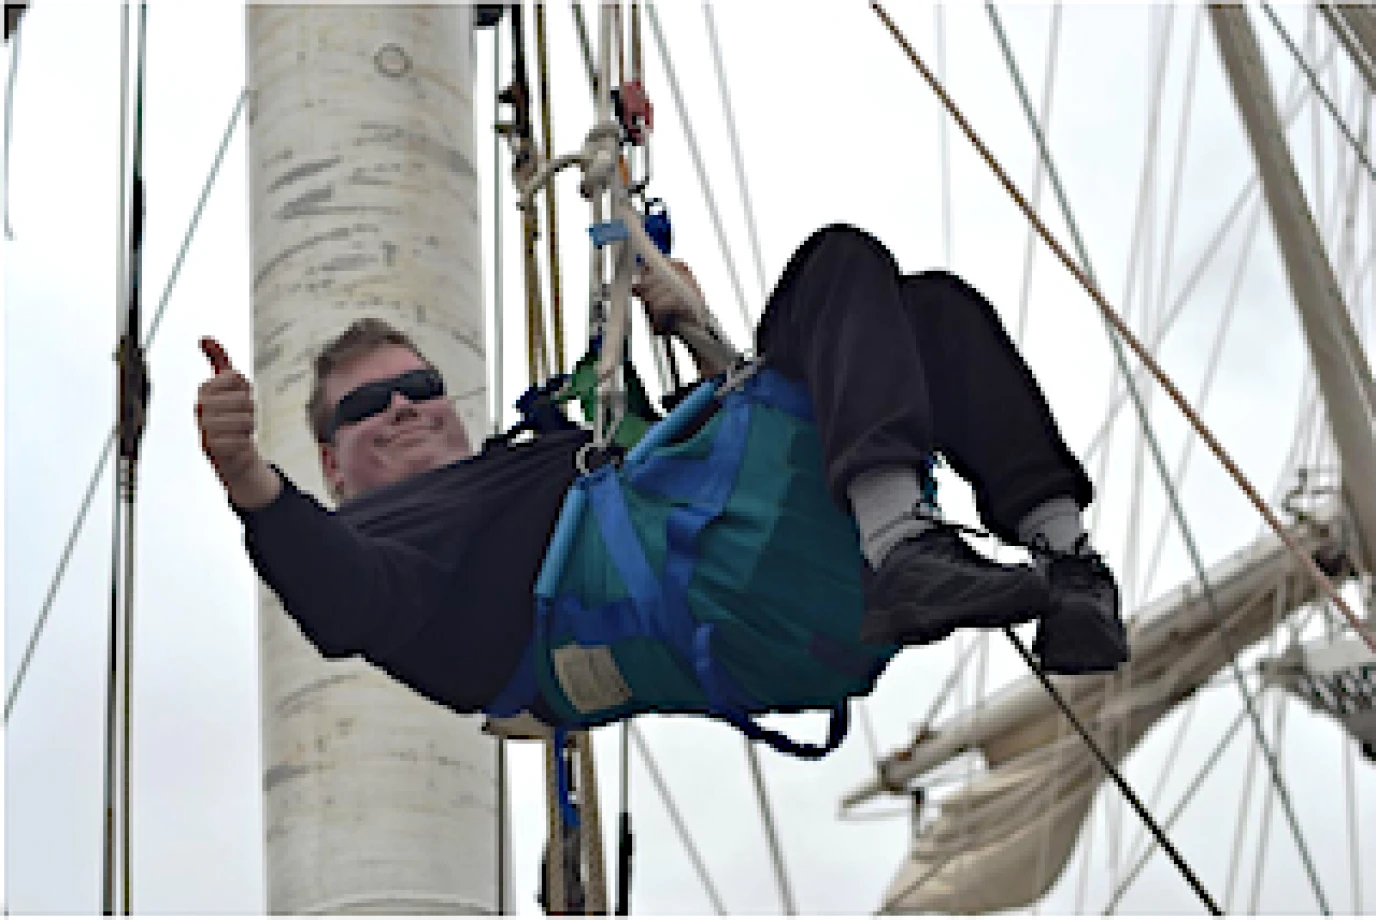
[(729, 702)]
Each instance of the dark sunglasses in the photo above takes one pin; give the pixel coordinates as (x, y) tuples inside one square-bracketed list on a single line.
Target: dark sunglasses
[(371, 398)]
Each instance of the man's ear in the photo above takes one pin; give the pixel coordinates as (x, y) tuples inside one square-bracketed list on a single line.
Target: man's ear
[(329, 465)]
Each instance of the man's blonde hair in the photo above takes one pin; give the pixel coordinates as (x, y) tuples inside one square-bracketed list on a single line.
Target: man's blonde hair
[(361, 338)]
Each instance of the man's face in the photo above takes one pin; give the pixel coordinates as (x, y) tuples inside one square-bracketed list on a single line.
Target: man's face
[(402, 440)]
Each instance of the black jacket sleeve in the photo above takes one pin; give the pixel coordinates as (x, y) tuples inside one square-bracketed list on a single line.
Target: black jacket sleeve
[(349, 591)]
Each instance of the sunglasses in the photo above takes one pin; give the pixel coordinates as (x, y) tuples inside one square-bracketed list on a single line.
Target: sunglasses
[(371, 398)]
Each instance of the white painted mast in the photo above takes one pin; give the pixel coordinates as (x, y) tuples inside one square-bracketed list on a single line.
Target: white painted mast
[(364, 199), (1344, 376)]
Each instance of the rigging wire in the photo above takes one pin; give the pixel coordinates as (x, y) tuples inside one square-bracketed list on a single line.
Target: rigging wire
[(786, 899), (1211, 366), (9, 113), (77, 525), (503, 780), (1178, 810), (1318, 88), (1293, 107), (584, 43), (1172, 494), (1053, 56), (1264, 835), (698, 167), (1358, 57), (1116, 323), (734, 140), (943, 140), (677, 819), (109, 864), (551, 216)]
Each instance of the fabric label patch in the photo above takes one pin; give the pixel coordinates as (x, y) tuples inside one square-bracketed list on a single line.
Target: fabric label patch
[(590, 678)]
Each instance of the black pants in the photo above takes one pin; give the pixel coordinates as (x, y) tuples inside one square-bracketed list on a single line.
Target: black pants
[(902, 365)]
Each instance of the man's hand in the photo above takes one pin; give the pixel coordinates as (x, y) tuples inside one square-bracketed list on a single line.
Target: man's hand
[(667, 310), (224, 411)]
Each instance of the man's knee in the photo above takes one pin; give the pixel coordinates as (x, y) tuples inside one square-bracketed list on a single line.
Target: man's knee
[(844, 242), (937, 290)]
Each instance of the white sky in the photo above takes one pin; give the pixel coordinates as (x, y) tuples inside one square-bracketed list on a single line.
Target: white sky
[(835, 125)]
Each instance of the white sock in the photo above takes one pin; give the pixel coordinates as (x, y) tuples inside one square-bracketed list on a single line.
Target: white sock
[(1057, 521), (883, 501)]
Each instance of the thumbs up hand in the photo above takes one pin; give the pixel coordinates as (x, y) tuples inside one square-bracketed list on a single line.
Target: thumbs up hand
[(225, 414)]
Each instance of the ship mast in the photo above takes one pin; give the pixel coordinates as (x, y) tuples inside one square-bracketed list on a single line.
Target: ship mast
[(364, 202)]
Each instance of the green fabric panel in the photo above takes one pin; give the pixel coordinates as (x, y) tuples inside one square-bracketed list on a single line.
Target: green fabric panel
[(779, 565)]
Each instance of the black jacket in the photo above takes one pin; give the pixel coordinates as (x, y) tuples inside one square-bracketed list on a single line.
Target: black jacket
[(432, 578)]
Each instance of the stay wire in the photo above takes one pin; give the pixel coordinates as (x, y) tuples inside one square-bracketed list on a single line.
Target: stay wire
[(786, 899), (109, 865), (1187, 535), (1196, 276), (50, 597), (681, 108), (736, 158), (1318, 88), (677, 819), (1178, 810), (9, 117)]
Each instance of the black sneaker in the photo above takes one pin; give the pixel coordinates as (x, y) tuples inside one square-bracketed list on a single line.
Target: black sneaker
[(1083, 632), (935, 583)]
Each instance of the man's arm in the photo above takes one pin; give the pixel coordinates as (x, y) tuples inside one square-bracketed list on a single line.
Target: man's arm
[(680, 309), (350, 592)]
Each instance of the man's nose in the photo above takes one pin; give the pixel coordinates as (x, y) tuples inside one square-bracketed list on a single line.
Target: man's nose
[(400, 404)]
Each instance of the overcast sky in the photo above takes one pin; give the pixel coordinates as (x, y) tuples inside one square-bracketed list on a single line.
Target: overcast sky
[(835, 125)]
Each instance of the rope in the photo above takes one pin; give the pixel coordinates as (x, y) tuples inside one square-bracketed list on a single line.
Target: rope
[(771, 833), (1179, 808), (1113, 773), (698, 166), (1158, 459), (677, 819), (1318, 88), (497, 345), (734, 139), (551, 221), (1323, 583), (99, 471)]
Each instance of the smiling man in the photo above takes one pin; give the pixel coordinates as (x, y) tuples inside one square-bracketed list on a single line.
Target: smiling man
[(896, 366)]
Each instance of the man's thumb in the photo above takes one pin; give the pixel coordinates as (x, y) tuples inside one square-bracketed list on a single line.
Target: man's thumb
[(216, 355)]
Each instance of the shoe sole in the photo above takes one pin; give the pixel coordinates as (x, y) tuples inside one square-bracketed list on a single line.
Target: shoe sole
[(913, 625)]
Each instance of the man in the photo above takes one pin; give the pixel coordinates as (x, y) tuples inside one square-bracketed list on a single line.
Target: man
[(896, 366)]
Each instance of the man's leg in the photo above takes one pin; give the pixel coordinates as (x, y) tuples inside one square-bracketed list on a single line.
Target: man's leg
[(838, 321), (993, 425), (900, 366)]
